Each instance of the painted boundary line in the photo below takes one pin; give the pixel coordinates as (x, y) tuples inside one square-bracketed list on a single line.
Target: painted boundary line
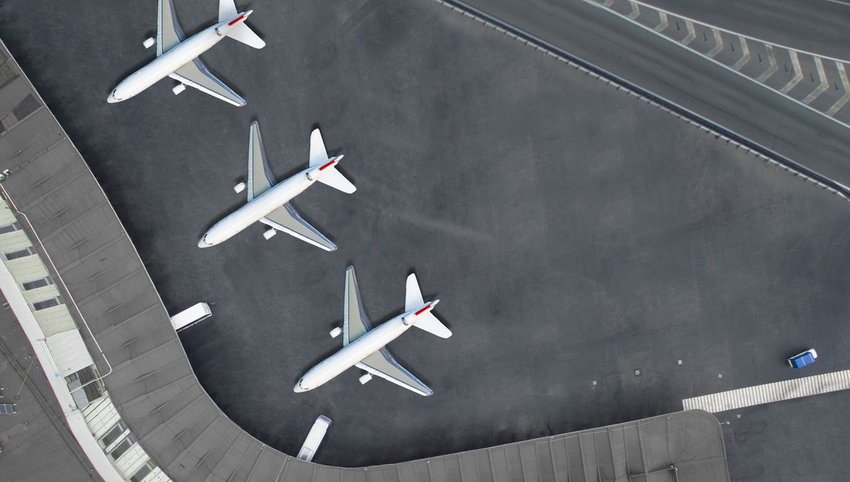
[(792, 52), (770, 392), (641, 3), (669, 106)]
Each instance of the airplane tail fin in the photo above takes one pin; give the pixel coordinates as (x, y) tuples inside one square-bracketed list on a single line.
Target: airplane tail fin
[(239, 32), (226, 10), (319, 157), (425, 321), (412, 293), (431, 324)]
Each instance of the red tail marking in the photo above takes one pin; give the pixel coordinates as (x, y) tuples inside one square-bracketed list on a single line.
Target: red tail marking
[(422, 310), (329, 164), (236, 20)]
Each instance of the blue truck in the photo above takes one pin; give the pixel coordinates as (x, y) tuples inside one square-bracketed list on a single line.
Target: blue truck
[(802, 359)]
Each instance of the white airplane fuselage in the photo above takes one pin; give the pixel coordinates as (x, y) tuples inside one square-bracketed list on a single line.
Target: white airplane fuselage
[(164, 65), (257, 208), (357, 350)]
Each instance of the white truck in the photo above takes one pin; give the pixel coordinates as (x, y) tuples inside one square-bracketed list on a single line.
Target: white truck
[(191, 316), (314, 438)]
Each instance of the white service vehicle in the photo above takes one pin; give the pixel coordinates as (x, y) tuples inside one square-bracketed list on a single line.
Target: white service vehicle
[(314, 438), (268, 202), (177, 56), (365, 347), (190, 316)]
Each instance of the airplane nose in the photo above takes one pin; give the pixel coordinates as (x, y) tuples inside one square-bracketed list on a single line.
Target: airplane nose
[(203, 242), (112, 99), (298, 388)]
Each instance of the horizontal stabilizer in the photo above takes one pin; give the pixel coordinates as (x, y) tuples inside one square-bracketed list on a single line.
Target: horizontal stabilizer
[(243, 33), (428, 322), (336, 180)]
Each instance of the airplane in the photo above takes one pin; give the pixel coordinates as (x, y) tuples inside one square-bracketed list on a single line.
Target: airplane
[(177, 56), (365, 347), (268, 202)]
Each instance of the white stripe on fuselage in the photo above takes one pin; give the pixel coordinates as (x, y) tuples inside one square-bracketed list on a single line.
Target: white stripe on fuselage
[(164, 65)]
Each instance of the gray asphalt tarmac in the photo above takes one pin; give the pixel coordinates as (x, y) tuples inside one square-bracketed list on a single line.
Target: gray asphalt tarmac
[(672, 72), (574, 233)]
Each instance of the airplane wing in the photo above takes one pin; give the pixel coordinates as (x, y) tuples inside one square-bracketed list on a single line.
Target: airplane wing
[(383, 365), (260, 178), (287, 219), (168, 31), (355, 322), (195, 74)]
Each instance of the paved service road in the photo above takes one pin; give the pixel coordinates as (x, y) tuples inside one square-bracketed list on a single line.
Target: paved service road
[(695, 83), (810, 79)]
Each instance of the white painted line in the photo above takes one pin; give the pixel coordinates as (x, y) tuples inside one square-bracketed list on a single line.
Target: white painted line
[(639, 3), (770, 392), (663, 103), (798, 72), (745, 54), (793, 54), (692, 33), (635, 10), (662, 22), (771, 60), (718, 44), (842, 73), (824, 83)]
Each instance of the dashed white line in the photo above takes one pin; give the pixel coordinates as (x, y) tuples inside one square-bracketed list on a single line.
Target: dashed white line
[(773, 56), (770, 392), (639, 3), (662, 103)]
